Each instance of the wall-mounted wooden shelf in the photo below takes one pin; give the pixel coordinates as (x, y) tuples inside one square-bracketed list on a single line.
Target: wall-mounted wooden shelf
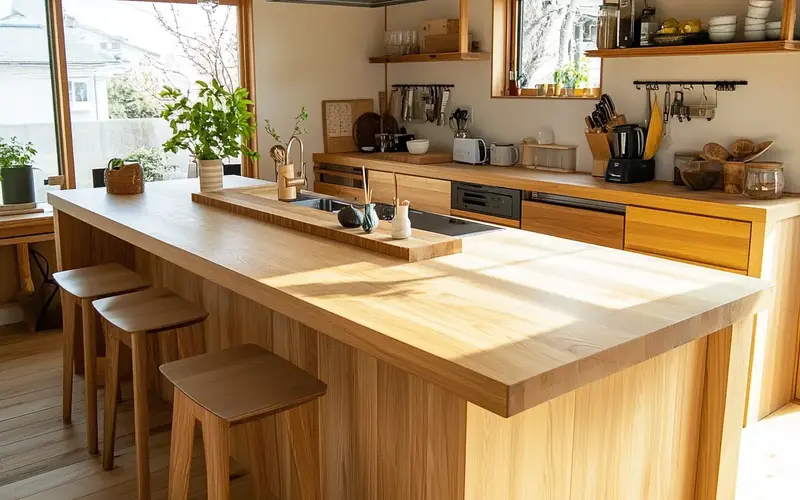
[(448, 56), (699, 50)]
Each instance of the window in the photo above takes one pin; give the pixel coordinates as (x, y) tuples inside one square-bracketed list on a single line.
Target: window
[(117, 108), (78, 92), (545, 42), (26, 96)]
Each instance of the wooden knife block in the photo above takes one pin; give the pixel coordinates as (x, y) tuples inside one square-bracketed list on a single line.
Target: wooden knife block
[(600, 145)]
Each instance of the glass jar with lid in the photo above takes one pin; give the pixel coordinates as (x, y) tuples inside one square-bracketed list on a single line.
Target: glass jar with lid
[(764, 180), (607, 27)]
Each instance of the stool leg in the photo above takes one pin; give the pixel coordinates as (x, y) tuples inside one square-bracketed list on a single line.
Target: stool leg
[(68, 311), (256, 435), (112, 390), (181, 444), (216, 439), (140, 413), (90, 363)]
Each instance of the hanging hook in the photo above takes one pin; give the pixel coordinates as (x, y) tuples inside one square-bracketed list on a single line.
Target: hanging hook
[(638, 87)]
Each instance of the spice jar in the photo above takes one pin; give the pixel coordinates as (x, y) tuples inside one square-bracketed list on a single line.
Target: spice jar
[(764, 180), (607, 31)]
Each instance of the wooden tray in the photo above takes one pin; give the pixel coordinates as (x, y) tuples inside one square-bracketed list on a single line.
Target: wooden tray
[(261, 203), (426, 159)]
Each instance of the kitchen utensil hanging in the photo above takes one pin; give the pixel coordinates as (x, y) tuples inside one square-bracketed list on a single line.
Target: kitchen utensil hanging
[(677, 107), (423, 102)]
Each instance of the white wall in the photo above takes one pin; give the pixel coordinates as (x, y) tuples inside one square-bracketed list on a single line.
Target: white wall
[(306, 54), (766, 109)]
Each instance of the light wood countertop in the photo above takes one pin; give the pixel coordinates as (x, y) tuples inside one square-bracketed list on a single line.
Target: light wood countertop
[(657, 194), (517, 319)]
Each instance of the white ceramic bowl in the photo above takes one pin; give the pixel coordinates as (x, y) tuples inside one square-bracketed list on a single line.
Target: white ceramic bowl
[(758, 12), (761, 3), (722, 28), (748, 29), (774, 25), (774, 34), (721, 37), (755, 36), (723, 20), (418, 146), (750, 21)]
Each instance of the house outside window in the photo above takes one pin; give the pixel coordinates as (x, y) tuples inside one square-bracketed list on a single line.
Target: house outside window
[(78, 92)]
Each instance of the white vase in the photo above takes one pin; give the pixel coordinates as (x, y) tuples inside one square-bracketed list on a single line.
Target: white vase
[(401, 224), (210, 173)]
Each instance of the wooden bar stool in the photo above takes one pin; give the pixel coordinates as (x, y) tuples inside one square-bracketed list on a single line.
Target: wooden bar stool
[(237, 386), (130, 319), (79, 287)]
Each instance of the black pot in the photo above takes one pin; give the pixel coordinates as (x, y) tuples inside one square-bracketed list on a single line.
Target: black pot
[(17, 185)]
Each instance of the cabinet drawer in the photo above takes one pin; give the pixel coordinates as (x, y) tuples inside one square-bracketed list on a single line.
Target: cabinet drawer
[(588, 226), (428, 195), (693, 238), (346, 193)]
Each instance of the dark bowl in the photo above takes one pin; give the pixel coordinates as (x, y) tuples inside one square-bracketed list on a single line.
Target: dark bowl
[(700, 180)]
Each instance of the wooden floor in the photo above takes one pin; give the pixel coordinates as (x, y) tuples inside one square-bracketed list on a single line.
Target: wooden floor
[(43, 458)]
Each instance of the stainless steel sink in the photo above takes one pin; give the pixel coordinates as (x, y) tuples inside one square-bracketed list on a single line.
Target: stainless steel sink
[(324, 204), (424, 221)]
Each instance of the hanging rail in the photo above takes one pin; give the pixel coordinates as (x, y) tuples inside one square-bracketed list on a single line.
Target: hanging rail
[(720, 85), (415, 85)]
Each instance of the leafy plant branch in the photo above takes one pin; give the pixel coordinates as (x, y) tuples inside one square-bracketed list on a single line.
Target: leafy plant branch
[(299, 129), (216, 126), (15, 154)]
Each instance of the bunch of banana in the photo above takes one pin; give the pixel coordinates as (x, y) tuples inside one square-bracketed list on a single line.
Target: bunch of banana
[(673, 27)]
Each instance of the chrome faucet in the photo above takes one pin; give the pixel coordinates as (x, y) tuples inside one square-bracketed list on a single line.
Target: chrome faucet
[(285, 174)]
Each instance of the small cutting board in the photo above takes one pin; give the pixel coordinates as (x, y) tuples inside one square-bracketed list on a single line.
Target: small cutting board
[(257, 203), (20, 209), (425, 159)]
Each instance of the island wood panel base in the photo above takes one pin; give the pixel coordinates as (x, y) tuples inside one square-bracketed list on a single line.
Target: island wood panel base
[(382, 433)]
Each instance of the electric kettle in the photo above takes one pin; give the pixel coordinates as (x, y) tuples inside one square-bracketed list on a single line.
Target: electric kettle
[(628, 142)]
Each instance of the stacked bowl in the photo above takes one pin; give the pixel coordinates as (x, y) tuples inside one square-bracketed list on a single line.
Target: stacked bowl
[(755, 25), (722, 29), (774, 30)]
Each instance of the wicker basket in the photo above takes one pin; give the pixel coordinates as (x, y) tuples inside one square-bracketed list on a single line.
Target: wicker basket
[(128, 179)]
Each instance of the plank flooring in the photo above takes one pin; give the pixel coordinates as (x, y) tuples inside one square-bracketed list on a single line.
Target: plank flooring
[(42, 458)]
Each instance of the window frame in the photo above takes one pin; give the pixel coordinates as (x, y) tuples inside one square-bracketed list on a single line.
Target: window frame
[(506, 53), (61, 83)]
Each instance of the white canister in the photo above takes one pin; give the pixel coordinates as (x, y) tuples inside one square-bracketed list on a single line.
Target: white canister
[(401, 224), (503, 155)]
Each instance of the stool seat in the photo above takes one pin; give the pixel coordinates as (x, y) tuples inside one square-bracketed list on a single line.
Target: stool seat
[(243, 383), (99, 281), (153, 310)]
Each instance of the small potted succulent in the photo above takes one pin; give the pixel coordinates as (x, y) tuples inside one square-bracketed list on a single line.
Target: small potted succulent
[(215, 127), (16, 172)]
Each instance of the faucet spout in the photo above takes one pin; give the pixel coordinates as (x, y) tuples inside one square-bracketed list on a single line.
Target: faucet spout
[(287, 182)]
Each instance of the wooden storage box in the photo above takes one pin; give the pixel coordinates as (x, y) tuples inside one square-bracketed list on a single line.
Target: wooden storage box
[(440, 27), (439, 44)]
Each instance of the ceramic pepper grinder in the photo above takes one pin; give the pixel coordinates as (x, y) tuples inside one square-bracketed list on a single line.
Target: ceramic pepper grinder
[(401, 224)]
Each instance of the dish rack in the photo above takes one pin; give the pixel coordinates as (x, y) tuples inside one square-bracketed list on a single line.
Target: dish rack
[(551, 157)]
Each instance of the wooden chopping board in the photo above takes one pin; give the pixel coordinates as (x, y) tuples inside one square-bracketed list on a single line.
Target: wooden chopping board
[(426, 159), (256, 203), (20, 209)]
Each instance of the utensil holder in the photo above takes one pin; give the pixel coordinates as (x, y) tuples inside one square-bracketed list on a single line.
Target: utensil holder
[(733, 177), (600, 146), (127, 179)]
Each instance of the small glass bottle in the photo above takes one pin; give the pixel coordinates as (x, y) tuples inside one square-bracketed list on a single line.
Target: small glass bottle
[(513, 86), (649, 26)]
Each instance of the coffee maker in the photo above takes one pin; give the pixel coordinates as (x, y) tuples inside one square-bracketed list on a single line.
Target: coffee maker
[(629, 28), (627, 164)]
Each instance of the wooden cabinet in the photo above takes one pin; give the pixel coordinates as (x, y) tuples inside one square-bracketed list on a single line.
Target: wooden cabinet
[(341, 182), (588, 226), (429, 195), (714, 242)]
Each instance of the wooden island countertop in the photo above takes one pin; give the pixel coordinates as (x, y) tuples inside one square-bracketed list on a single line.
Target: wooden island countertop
[(515, 320)]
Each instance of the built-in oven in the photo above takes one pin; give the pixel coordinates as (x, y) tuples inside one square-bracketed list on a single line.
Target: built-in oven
[(491, 202)]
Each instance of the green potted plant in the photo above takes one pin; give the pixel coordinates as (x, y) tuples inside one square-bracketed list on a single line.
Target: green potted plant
[(16, 172), (215, 127), (559, 78)]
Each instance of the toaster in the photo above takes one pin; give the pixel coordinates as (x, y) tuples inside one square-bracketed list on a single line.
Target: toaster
[(472, 151)]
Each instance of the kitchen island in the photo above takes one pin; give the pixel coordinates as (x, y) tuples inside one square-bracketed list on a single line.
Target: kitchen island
[(526, 366)]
